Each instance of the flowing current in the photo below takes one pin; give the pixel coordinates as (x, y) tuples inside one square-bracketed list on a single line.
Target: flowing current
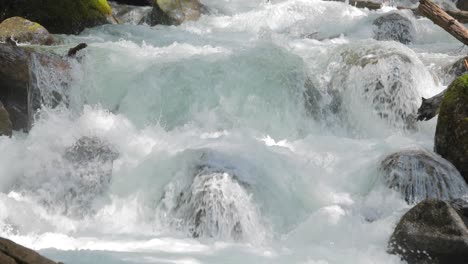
[(253, 135)]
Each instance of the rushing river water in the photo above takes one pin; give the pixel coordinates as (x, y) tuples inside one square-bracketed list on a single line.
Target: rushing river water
[(253, 135)]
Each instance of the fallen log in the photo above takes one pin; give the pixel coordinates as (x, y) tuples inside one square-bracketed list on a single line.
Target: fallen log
[(444, 20), (461, 16)]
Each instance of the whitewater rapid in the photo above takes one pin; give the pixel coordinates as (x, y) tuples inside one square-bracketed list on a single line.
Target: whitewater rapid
[(253, 135)]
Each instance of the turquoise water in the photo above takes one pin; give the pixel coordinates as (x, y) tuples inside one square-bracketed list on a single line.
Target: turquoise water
[(262, 116)]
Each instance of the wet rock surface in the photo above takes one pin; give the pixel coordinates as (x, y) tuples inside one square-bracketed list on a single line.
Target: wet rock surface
[(12, 253), (433, 231), (394, 26), (21, 93)]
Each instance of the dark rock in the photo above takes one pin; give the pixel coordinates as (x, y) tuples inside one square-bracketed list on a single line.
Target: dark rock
[(72, 52), (12, 253), (454, 70), (25, 31), (430, 107), (419, 174), (5, 122), (5, 259), (462, 5), (174, 12), (134, 2), (21, 81), (394, 26), (431, 232), (451, 138), (59, 17)]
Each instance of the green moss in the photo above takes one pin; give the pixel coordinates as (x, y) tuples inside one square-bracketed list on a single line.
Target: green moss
[(452, 125), (34, 26), (64, 16)]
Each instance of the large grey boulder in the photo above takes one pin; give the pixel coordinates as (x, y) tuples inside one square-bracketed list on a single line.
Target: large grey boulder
[(433, 232)]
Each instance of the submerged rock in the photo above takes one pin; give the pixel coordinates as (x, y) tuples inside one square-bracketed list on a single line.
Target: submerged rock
[(24, 31), (89, 170), (12, 253), (84, 174), (432, 232), (451, 138), (59, 17), (368, 82), (23, 72), (5, 122), (394, 26), (174, 12), (130, 14), (215, 204), (453, 70), (419, 174)]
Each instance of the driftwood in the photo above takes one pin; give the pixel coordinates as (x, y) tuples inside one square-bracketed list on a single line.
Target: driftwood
[(444, 20), (461, 16)]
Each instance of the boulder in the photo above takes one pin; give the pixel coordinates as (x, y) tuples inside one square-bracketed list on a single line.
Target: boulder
[(85, 170), (88, 167), (12, 253), (373, 80), (59, 17), (451, 138), (129, 13), (394, 26), (21, 85), (24, 31), (5, 122), (419, 174), (433, 231), (174, 12)]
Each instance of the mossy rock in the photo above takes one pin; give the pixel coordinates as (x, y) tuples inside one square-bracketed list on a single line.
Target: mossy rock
[(174, 12), (451, 139), (23, 30), (61, 17)]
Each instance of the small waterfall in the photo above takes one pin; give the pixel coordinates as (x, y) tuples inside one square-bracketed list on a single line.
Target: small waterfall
[(419, 174), (214, 205), (369, 84), (51, 78)]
